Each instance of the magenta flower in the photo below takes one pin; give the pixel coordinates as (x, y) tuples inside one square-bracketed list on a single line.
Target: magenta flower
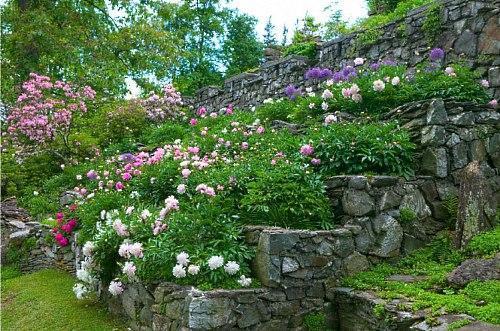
[(119, 186), (92, 175), (244, 145), (126, 176), (306, 150), (315, 161), (193, 121)]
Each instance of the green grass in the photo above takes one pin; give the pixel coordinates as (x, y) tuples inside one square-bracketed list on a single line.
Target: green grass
[(478, 299), (45, 301)]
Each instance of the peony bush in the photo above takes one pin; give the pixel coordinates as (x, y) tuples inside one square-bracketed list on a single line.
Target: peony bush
[(170, 200)]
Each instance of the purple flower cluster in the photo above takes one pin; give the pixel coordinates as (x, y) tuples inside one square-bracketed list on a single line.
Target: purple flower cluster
[(319, 73), (345, 74), (292, 92), (387, 62), (436, 54)]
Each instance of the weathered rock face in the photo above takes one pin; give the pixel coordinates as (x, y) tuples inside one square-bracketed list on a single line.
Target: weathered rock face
[(475, 269), (13, 223), (477, 205), (469, 32)]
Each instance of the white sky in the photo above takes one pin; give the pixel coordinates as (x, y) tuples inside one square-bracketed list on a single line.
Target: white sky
[(286, 12)]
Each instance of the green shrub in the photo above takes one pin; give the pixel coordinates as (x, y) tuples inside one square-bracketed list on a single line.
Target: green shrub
[(485, 244), (306, 48), (316, 322), (354, 148), (166, 133), (407, 215), (276, 110), (287, 196)]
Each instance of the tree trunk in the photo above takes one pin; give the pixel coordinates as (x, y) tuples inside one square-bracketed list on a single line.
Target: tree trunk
[(476, 205)]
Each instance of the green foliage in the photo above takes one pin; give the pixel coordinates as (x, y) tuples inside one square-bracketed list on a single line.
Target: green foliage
[(450, 204), (299, 202), (307, 49), (485, 244), (479, 299), (9, 272), (241, 50), (368, 37), (277, 110), (354, 148), (382, 6), (44, 300), (117, 121), (379, 311), (18, 251), (316, 322), (46, 37), (407, 215), (432, 25)]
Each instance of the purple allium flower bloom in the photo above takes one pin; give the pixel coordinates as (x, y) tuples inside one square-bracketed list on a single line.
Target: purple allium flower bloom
[(292, 92), (436, 54), (127, 158), (326, 73), (337, 76), (319, 73), (313, 73), (375, 66)]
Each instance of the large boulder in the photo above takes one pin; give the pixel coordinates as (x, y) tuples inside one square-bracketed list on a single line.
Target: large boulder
[(475, 269)]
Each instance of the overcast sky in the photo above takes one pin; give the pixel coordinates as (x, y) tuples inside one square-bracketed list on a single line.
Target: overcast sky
[(286, 12)]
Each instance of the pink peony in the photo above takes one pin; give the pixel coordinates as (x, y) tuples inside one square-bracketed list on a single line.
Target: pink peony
[(119, 186), (193, 121), (306, 150), (126, 176)]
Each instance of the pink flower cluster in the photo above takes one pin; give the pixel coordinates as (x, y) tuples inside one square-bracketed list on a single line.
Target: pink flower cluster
[(308, 150), (128, 250), (44, 109), (353, 93), (63, 229), (161, 108)]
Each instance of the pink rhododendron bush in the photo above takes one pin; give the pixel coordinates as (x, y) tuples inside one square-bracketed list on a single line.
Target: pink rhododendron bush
[(170, 200), (44, 111)]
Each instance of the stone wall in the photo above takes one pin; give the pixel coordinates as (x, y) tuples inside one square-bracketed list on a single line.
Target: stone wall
[(33, 242), (470, 32), (449, 135)]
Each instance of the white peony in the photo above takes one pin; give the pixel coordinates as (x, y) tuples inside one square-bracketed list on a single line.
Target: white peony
[(115, 288), (244, 281), (193, 269), (178, 271), (215, 262), (183, 258), (129, 269), (232, 267), (327, 94), (83, 275), (80, 290), (359, 61), (88, 248), (395, 81), (378, 85)]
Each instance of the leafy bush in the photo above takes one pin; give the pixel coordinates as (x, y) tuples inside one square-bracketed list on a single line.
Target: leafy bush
[(307, 49), (275, 110), (485, 244), (287, 196), (354, 148)]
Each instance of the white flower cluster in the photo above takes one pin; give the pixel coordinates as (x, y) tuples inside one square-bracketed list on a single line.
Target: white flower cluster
[(84, 273), (182, 268)]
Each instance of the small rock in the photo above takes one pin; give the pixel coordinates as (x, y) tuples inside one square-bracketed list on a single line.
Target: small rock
[(357, 203), (289, 265)]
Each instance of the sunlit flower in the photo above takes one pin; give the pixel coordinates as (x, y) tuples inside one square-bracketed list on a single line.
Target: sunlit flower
[(178, 271), (232, 267), (88, 248), (306, 150), (183, 258), (359, 61), (193, 269), (395, 81), (215, 262), (244, 281), (129, 269), (115, 288), (330, 119), (378, 85)]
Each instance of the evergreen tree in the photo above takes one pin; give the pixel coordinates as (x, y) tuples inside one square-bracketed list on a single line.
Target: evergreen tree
[(284, 39), (269, 38)]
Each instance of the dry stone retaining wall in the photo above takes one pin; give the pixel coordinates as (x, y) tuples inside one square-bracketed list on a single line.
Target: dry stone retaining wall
[(470, 33)]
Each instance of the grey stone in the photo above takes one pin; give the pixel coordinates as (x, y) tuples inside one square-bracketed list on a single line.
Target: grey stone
[(389, 200), (415, 201), (477, 150), (17, 224), (210, 313), (69, 197), (389, 236), (435, 162), (433, 135), (382, 181), (475, 269), (250, 315), (355, 263), (289, 265), (358, 182), (494, 75), (19, 234), (463, 119), (436, 114), (357, 203), (454, 139), (466, 43)]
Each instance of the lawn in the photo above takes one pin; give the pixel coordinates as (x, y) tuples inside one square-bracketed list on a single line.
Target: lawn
[(45, 301)]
